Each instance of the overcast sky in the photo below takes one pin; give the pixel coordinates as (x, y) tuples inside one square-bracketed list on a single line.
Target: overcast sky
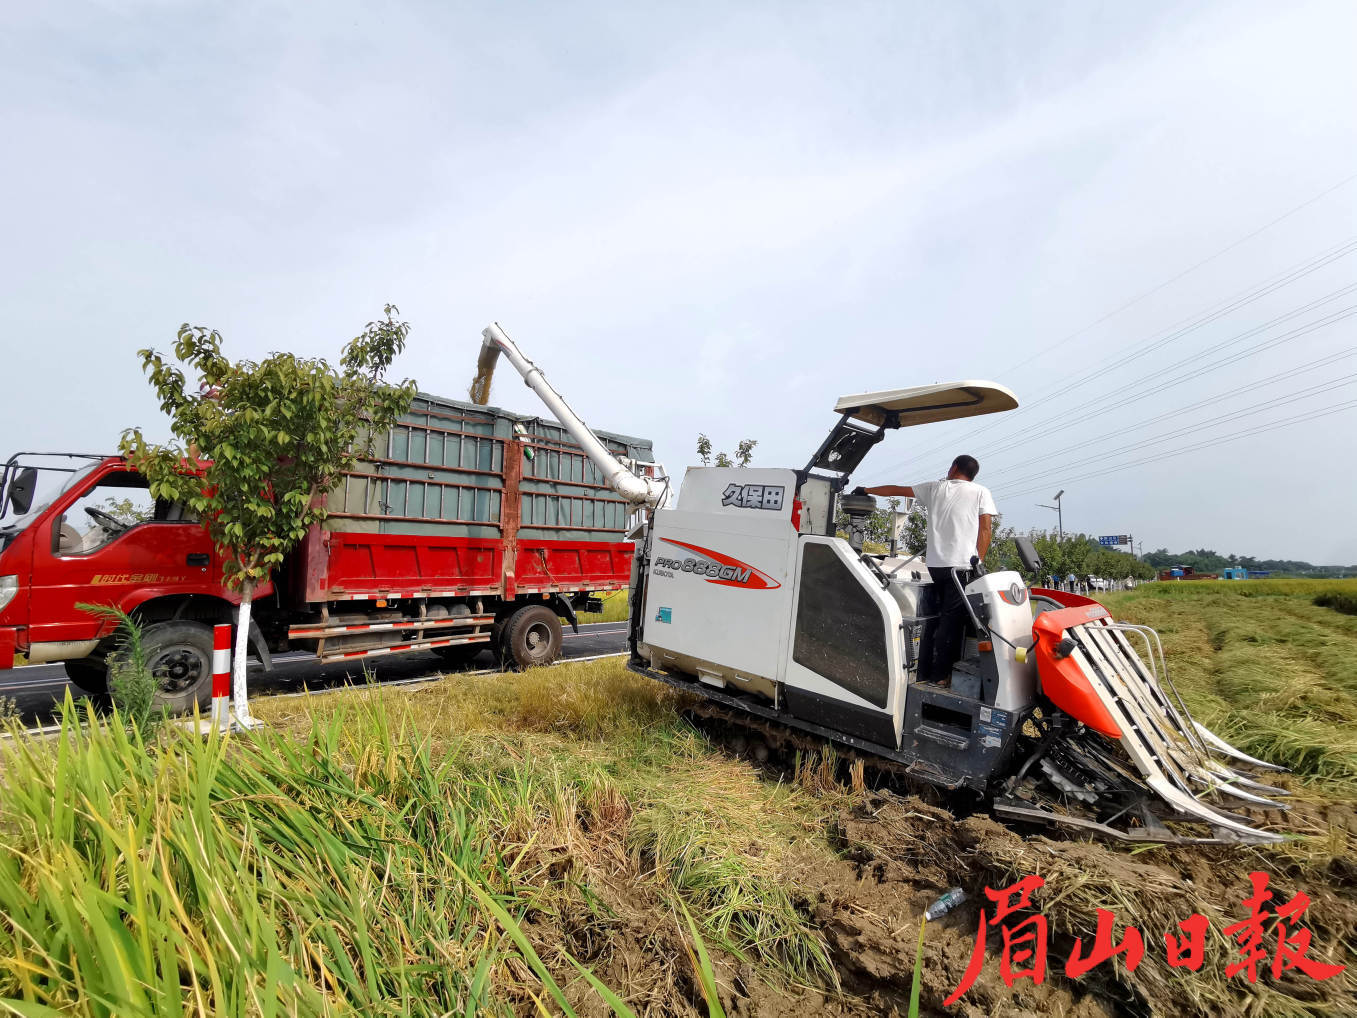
[(722, 217)]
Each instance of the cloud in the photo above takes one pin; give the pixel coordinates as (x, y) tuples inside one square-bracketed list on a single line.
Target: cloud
[(671, 207)]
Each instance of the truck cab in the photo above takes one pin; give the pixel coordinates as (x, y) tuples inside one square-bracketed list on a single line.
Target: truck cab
[(79, 530)]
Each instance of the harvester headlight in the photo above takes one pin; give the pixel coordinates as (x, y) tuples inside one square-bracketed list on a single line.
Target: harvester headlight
[(9, 586)]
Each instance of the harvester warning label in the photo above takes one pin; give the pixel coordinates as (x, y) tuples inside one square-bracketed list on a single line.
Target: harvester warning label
[(664, 615), (991, 726), (754, 496)]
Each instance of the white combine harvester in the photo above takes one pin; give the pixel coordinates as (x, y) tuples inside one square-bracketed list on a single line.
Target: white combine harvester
[(743, 594)]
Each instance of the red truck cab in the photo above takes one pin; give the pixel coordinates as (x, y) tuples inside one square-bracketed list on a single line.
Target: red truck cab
[(79, 529)]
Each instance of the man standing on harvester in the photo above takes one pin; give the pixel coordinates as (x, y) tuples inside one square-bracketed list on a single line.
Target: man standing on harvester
[(960, 525)]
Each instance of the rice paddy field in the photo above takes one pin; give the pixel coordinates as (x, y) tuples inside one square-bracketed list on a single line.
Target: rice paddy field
[(564, 842)]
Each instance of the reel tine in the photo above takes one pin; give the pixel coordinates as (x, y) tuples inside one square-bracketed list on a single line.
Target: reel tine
[(1223, 747)]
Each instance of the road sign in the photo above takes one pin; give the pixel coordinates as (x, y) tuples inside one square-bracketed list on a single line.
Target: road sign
[(1112, 540)]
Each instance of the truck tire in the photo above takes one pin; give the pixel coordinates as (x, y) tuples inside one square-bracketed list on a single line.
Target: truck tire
[(179, 655), (90, 676), (532, 636)]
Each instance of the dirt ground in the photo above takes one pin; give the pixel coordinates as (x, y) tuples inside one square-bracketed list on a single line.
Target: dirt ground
[(897, 853), (901, 853)]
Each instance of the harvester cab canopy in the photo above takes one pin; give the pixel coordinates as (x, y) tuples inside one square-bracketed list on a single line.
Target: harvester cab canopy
[(866, 417)]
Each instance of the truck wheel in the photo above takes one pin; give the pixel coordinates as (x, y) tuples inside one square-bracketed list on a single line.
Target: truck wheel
[(179, 655), (532, 636), (91, 676)]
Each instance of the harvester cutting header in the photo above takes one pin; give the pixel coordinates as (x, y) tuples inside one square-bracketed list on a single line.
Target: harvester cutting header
[(743, 594)]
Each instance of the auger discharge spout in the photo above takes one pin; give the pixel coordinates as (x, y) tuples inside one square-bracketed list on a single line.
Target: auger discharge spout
[(639, 491)]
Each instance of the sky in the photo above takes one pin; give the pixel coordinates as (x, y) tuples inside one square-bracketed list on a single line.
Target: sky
[(719, 218)]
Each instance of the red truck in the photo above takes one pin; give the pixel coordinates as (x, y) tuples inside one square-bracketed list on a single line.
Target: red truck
[(469, 527)]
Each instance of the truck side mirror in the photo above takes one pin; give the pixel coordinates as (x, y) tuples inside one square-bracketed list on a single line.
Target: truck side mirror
[(1031, 561), (21, 490)]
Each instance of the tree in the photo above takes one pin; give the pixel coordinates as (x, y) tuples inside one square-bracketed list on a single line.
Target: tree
[(257, 446), (916, 530), (126, 510), (744, 453)]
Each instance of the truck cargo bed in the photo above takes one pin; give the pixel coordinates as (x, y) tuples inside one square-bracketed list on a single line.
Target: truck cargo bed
[(451, 505)]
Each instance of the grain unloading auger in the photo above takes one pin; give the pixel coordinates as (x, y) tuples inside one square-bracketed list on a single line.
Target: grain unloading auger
[(743, 594)]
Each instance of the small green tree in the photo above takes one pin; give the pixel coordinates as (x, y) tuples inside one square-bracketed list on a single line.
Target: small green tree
[(704, 449), (744, 453), (258, 445), (915, 531)]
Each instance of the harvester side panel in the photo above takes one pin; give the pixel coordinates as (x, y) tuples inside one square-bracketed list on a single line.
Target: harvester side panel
[(718, 593)]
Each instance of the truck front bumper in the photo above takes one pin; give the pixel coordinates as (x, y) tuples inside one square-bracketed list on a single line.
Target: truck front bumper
[(9, 639)]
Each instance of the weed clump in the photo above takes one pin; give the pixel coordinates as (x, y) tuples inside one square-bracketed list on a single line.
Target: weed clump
[(131, 684), (1345, 603)]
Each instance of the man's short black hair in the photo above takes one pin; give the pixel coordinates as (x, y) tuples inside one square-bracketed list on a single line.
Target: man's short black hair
[(967, 465)]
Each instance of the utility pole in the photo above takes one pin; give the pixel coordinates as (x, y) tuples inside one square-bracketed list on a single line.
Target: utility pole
[(1059, 514)]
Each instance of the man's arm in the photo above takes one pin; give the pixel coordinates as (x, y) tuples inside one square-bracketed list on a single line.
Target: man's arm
[(899, 490), (986, 533)]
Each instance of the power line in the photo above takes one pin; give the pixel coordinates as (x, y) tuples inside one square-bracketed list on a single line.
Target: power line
[(1260, 429), (1160, 339), (1097, 408), (1232, 393), (1233, 304), (1233, 415), (1186, 272)]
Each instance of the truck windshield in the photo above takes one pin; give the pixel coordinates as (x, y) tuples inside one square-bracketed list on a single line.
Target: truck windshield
[(54, 479)]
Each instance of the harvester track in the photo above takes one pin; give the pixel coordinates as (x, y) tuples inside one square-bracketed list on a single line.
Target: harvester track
[(1072, 780)]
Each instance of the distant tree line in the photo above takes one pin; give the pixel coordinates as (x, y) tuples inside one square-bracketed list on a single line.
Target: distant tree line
[(1204, 560)]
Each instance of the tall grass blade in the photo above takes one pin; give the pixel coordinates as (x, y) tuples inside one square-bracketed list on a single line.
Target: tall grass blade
[(706, 975), (917, 979)]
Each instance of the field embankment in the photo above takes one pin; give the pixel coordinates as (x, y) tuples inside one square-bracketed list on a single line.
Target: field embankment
[(470, 846)]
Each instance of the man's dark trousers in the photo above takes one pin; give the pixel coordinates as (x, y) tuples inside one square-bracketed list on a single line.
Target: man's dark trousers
[(942, 639)]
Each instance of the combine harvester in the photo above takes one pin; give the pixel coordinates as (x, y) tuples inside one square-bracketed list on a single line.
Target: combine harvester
[(744, 595)]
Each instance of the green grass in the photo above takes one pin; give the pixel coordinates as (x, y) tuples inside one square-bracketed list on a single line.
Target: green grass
[(555, 841), (1338, 601), (1264, 665), (471, 847)]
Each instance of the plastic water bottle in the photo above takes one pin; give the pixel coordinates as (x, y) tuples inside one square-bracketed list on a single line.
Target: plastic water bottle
[(945, 904)]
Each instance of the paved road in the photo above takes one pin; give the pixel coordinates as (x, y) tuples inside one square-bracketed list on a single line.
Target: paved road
[(37, 689)]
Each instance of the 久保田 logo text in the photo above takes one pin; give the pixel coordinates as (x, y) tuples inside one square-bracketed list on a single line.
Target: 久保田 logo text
[(714, 567)]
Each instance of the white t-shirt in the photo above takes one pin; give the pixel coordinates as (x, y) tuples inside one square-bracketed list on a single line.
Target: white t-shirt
[(954, 511)]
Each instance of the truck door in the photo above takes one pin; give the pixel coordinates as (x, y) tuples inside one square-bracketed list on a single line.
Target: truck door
[(110, 541)]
